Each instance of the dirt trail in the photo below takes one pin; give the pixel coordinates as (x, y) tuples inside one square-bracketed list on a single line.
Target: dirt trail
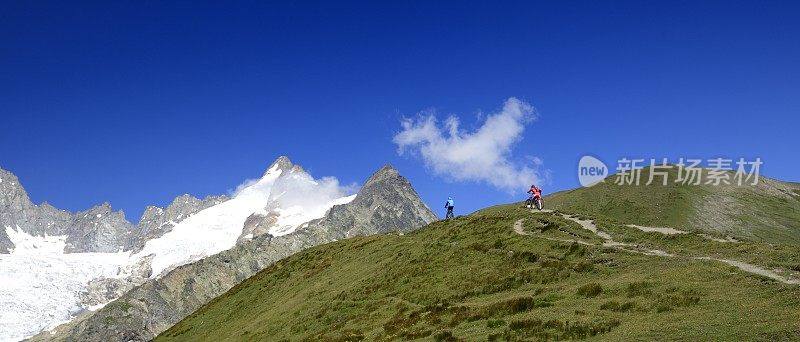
[(589, 225), (665, 231), (519, 229), (673, 231), (609, 242), (754, 269), (712, 238)]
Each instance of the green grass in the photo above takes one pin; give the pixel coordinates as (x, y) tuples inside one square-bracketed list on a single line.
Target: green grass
[(768, 212), (653, 205), (474, 279), (769, 255)]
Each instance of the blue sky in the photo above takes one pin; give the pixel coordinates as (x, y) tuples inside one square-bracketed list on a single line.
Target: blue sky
[(135, 103)]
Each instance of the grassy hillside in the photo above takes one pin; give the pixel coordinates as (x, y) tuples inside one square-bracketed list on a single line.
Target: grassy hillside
[(768, 211), (474, 278)]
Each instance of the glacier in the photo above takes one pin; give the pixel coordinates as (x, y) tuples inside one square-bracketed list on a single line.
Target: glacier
[(41, 285)]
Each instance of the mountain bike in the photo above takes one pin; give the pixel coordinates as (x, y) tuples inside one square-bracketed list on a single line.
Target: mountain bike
[(537, 203)]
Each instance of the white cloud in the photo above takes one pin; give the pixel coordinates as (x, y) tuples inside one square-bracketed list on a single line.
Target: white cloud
[(241, 187), (300, 189), (297, 189), (484, 155)]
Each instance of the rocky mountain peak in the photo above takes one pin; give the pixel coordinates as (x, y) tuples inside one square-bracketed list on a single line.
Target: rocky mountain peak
[(385, 173), (386, 202), (99, 229), (150, 212), (282, 163), (104, 208), (7, 176), (183, 204), (47, 204), (185, 198), (16, 209), (11, 190), (297, 169), (386, 183)]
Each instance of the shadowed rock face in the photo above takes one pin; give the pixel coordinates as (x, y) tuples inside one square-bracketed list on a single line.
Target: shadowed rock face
[(386, 203)]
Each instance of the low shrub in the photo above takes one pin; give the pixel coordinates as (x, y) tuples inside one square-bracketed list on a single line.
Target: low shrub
[(617, 307), (590, 290)]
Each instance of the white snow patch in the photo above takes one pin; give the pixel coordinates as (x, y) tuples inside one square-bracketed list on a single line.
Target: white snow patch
[(96, 307), (26, 244), (291, 218), (99, 215), (171, 222)]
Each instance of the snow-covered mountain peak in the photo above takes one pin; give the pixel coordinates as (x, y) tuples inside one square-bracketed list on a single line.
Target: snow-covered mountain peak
[(281, 164), (294, 199), (285, 192), (86, 259)]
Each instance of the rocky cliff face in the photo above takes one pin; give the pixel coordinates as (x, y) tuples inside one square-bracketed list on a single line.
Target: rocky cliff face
[(18, 212), (99, 229), (386, 203)]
